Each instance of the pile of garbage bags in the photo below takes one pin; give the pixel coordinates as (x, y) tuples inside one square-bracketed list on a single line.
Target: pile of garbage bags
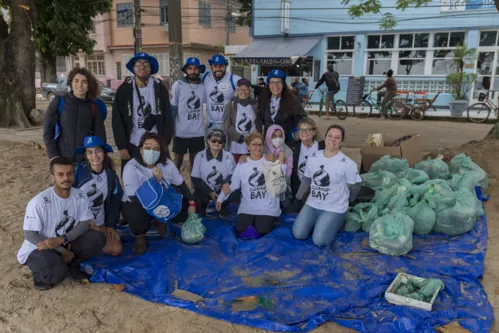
[(431, 197)]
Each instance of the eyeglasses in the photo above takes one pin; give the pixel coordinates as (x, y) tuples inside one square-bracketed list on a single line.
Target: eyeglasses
[(243, 89), (213, 140), (275, 83), (143, 65), (256, 145), (306, 130), (152, 148), (94, 152)]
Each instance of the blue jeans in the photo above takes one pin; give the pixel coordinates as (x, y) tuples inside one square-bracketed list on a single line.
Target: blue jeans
[(324, 224)]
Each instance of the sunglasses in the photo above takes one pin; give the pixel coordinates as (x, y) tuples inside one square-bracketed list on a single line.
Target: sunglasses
[(214, 140)]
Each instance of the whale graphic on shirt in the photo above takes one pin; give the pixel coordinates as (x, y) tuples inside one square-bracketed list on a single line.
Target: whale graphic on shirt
[(321, 177)]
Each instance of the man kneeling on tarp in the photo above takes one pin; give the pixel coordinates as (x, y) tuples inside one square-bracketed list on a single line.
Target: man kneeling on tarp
[(58, 230)]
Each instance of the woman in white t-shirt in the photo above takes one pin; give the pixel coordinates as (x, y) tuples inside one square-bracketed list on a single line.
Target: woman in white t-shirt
[(333, 180), (240, 119), (258, 212), (151, 162)]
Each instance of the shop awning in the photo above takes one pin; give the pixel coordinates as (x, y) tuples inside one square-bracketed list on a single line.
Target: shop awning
[(277, 51)]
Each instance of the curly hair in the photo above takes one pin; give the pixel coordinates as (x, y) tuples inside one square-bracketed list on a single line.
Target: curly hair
[(252, 136), (93, 84), (162, 145)]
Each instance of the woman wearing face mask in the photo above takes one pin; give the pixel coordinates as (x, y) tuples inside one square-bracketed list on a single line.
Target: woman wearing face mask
[(258, 212), (151, 162), (241, 118), (274, 146), (306, 143), (278, 105), (333, 181), (100, 182)]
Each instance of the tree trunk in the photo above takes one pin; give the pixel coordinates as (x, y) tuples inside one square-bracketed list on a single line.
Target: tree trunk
[(17, 65), (48, 69)]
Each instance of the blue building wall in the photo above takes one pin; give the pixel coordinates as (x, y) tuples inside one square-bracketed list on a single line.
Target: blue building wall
[(326, 18)]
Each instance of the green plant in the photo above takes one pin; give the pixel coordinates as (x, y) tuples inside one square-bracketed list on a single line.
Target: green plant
[(460, 81)]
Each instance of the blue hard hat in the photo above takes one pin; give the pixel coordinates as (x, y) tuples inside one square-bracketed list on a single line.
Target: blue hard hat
[(192, 61), (218, 59), (92, 142), (153, 61), (276, 73)]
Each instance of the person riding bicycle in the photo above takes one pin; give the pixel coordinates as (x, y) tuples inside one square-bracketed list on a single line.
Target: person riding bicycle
[(391, 91), (332, 79)]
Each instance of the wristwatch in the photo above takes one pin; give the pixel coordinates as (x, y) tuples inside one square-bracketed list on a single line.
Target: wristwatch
[(65, 240)]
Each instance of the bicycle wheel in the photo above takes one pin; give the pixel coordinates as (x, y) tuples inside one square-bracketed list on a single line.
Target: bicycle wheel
[(362, 109), (396, 111), (341, 109), (478, 113), (417, 113)]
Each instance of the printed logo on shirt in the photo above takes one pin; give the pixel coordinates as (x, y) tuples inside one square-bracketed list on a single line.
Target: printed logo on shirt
[(46, 200), (65, 225), (96, 199), (245, 125), (301, 168), (218, 99), (194, 104), (257, 181), (321, 181), (80, 196), (143, 110), (273, 111), (215, 179)]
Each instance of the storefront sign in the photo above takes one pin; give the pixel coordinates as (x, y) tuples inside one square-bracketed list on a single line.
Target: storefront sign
[(266, 61), (285, 16), (463, 5)]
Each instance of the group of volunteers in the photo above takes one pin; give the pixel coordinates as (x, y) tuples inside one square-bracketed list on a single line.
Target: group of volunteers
[(230, 155)]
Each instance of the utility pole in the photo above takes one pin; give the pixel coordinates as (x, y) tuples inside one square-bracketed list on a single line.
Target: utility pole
[(137, 31), (228, 17), (175, 49)]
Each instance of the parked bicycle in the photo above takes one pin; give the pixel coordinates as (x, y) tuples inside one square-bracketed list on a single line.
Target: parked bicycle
[(417, 111), (306, 100), (339, 107), (395, 110), (480, 112)]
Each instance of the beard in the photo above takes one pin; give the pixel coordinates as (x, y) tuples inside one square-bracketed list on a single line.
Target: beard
[(219, 74), (193, 77)]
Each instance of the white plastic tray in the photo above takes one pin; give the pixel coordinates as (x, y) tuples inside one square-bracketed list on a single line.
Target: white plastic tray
[(392, 297)]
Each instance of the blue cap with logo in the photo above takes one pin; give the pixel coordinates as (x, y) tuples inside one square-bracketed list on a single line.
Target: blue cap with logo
[(143, 56), (218, 59), (276, 73), (192, 61), (92, 142)]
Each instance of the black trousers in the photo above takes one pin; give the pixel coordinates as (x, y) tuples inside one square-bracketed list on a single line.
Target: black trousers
[(48, 266), (203, 199), (262, 223)]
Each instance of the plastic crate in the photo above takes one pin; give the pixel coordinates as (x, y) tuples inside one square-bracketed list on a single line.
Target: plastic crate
[(392, 297)]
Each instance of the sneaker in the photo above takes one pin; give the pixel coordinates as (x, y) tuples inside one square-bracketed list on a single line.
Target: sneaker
[(77, 275), (224, 213), (42, 285)]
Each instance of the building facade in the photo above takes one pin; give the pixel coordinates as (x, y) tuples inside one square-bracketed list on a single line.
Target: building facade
[(419, 49)]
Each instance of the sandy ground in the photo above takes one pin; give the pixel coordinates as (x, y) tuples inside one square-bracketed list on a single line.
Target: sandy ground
[(98, 308)]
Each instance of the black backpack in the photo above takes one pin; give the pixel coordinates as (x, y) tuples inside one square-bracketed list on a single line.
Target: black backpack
[(332, 81)]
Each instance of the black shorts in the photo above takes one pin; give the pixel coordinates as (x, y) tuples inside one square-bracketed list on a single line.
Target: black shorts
[(192, 145)]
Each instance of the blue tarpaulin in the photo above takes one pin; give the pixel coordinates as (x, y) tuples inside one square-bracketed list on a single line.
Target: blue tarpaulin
[(301, 286)]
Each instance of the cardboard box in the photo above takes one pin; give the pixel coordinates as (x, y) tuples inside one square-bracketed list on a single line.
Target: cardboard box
[(409, 149)]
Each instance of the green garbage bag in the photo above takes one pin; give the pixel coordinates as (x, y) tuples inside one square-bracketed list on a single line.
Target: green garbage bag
[(420, 290), (352, 222), (463, 180), (424, 217), (378, 179), (440, 196), (390, 164), (367, 212), (414, 176), (463, 164), (392, 234), (193, 230), (435, 168), (460, 218), (397, 195)]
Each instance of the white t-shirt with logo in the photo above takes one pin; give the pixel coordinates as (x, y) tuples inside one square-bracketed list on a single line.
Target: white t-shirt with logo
[(53, 216), (330, 179), (304, 154), (96, 191), (245, 124), (218, 93), (189, 99), (141, 112), (213, 172), (135, 174), (255, 198)]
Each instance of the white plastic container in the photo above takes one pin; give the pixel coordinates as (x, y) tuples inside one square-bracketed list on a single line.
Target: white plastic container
[(392, 297)]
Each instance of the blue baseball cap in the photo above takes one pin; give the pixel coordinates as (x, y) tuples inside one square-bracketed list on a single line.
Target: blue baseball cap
[(92, 142), (153, 61), (194, 62), (276, 73), (218, 59)]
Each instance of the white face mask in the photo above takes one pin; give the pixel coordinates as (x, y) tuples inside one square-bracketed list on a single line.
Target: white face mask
[(150, 156), (277, 142)]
